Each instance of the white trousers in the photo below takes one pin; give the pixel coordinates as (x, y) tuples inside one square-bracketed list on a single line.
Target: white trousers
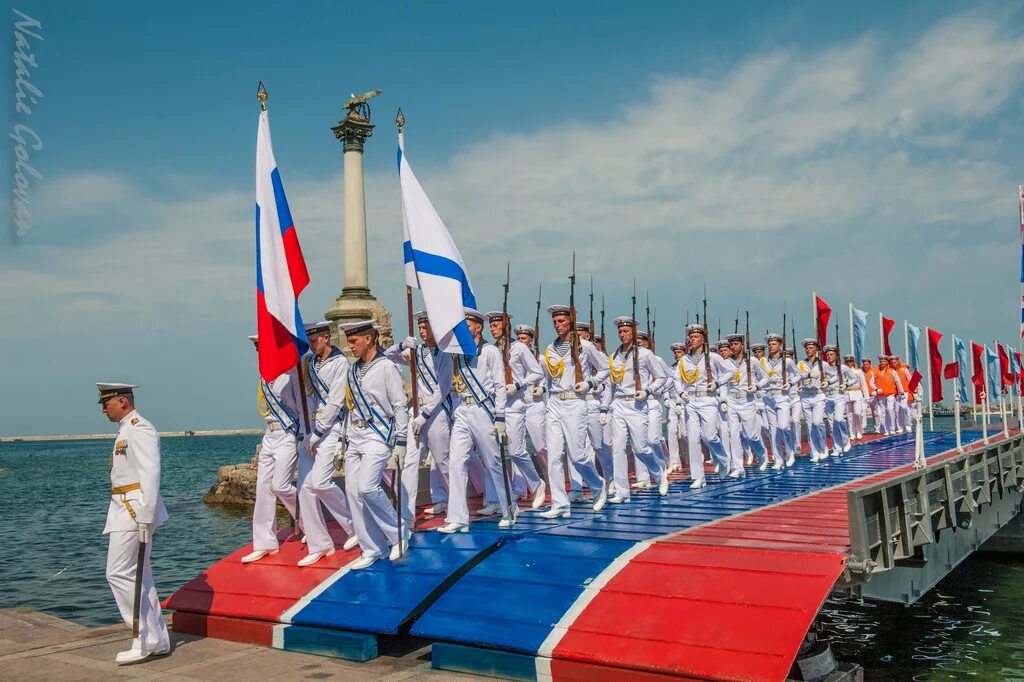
[(434, 438), (903, 413), (855, 413), (676, 432), (835, 408), (779, 414), (472, 429), (274, 469), (122, 555), (744, 430), (631, 419), (373, 517), (516, 418), (702, 424), (885, 413), (797, 411), (599, 448), (812, 403), (567, 432), (319, 491)]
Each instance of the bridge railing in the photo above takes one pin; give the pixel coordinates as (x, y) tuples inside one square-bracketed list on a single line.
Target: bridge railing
[(891, 520)]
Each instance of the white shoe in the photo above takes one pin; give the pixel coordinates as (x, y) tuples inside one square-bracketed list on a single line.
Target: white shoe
[(814, 457), (778, 465), (663, 484), (303, 539), (790, 460), (399, 549), (642, 485), (602, 497), (736, 473), (257, 555), (439, 508), (764, 465), (489, 509), (847, 447), (615, 499), (838, 452), (575, 496), (351, 542), (750, 458), (362, 562), (697, 485), (717, 468), (138, 653), (506, 523), (538, 495), (555, 513), (450, 528), (311, 559)]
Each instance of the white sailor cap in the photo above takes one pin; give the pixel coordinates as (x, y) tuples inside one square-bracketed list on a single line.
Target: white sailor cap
[(642, 335), (496, 315), (757, 346), (581, 325), (849, 358), (475, 314), (773, 337), (421, 316), (678, 346), (317, 327), (721, 343), (830, 347), (884, 357), (108, 391), (625, 321), (558, 310), (694, 329), (811, 341), (524, 329), (734, 337), (254, 338), (360, 327)]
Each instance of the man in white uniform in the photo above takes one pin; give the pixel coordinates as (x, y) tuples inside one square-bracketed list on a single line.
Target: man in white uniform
[(777, 400), (856, 396), (597, 448), (135, 511), (704, 405), (836, 379), (676, 411), (812, 400), (279, 403), (744, 421)]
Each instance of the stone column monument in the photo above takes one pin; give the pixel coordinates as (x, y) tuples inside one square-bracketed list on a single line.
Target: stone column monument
[(356, 302)]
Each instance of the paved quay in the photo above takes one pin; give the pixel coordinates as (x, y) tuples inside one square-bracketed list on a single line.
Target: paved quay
[(36, 646)]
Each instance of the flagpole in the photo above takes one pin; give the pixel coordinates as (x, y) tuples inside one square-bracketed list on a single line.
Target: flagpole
[(956, 395), (852, 349), (986, 399), (931, 389), (413, 383), (881, 336), (1002, 403), (906, 342), (1020, 399)]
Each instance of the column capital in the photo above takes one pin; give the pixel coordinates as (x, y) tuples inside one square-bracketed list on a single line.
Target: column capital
[(353, 130)]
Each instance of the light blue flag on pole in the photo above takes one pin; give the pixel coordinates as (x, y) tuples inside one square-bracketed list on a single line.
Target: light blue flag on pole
[(860, 334), (965, 364), (913, 336), (1014, 370), (992, 362), (433, 264)]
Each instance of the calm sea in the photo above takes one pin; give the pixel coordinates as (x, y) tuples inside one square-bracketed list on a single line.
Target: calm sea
[(53, 502)]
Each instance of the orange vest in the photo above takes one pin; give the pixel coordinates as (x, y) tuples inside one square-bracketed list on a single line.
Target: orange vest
[(903, 372), (885, 379), (869, 378)]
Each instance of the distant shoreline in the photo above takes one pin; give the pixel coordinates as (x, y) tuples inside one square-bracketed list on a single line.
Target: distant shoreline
[(107, 436)]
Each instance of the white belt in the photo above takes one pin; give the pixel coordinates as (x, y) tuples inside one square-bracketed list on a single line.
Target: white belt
[(699, 393), (739, 395), (774, 391), (362, 423), (564, 395), (274, 426)]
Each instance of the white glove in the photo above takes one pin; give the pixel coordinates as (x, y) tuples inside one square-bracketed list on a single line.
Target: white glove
[(397, 458), (145, 532), (417, 423), (602, 419), (538, 391), (510, 389), (785, 387), (339, 454), (641, 394), (408, 343), (499, 429), (678, 408), (311, 443), (581, 387), (723, 407), (528, 395)]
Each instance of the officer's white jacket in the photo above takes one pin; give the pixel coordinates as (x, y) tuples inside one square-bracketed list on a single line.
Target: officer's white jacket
[(560, 370), (526, 370), (433, 374), (773, 368), (856, 381), (832, 380), (693, 364), (379, 389), (327, 379), (484, 371), (738, 380), (623, 382), (136, 460)]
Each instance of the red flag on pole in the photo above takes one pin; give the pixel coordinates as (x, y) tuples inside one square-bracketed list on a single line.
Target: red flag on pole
[(1004, 366), (978, 371), (823, 315), (1020, 373), (915, 381), (951, 371), (887, 326), (935, 364)]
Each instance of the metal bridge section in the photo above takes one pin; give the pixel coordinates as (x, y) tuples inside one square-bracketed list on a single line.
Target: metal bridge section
[(907, 532)]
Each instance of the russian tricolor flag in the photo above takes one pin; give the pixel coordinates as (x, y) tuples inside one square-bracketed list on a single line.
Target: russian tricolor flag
[(280, 269)]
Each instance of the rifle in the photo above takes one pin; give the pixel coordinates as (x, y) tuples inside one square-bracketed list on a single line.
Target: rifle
[(647, 312), (736, 324), (506, 348), (636, 351), (593, 332), (575, 338), (707, 345), (746, 351), (654, 327), (536, 327), (782, 354), (604, 341), (839, 360)]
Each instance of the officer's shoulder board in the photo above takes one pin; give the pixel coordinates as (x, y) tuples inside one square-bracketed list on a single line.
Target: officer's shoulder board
[(135, 420)]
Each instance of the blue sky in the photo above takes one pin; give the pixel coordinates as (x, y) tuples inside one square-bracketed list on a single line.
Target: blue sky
[(867, 151)]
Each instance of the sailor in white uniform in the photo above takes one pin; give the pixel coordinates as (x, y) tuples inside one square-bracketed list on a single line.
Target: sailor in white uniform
[(837, 377), (812, 400), (724, 350), (597, 448), (676, 411), (432, 425), (744, 421), (796, 408), (133, 515), (326, 377), (525, 372), (757, 351), (627, 402), (280, 403), (374, 432), (655, 408), (567, 412), (777, 400), (479, 423), (705, 407), (536, 409), (856, 396)]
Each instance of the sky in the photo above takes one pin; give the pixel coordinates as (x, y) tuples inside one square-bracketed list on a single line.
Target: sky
[(865, 151)]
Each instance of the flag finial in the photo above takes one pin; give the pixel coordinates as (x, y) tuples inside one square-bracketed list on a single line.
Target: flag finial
[(261, 95), (400, 119)]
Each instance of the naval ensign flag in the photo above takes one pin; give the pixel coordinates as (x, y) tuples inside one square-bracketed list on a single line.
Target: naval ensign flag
[(280, 269), (433, 264)]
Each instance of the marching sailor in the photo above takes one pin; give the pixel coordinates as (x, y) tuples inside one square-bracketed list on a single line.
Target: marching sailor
[(536, 410), (777, 400), (374, 432), (280, 402), (757, 351), (744, 422), (326, 376), (135, 511), (796, 407), (598, 446), (656, 416), (837, 378), (525, 372), (812, 400), (856, 395), (479, 423), (724, 350), (628, 401), (887, 393), (432, 426), (676, 411), (567, 412), (905, 406), (871, 404), (704, 409)]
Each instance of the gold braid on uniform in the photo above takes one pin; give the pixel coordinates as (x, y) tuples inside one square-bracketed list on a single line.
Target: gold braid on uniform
[(617, 374), (350, 404), (768, 368), (555, 369), (691, 376), (261, 402)]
